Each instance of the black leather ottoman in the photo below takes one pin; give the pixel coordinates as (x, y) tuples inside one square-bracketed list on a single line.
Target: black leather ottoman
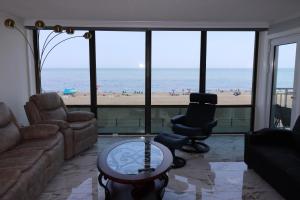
[(173, 141)]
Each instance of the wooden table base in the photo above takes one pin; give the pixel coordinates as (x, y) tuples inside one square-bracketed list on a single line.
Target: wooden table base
[(153, 190)]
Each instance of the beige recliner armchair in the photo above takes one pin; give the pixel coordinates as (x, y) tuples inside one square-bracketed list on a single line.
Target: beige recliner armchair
[(78, 127)]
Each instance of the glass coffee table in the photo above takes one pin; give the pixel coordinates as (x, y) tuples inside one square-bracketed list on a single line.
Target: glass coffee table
[(134, 169)]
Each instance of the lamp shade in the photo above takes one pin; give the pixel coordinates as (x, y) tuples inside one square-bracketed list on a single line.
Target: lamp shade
[(58, 28), (87, 35), (69, 30), (39, 24), (9, 23)]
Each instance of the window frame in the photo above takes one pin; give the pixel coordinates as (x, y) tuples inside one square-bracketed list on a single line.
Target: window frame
[(148, 40)]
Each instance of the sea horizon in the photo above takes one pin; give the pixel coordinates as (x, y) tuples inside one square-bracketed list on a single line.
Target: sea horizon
[(118, 80)]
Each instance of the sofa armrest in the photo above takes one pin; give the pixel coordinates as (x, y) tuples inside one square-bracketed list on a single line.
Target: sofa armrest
[(61, 123), (270, 136), (79, 116), (39, 131), (178, 119)]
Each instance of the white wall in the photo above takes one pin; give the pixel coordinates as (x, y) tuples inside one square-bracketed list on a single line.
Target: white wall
[(282, 27), (282, 30), (150, 24), (262, 85), (14, 77)]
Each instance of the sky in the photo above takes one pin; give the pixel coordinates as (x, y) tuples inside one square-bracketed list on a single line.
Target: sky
[(170, 49), (286, 55)]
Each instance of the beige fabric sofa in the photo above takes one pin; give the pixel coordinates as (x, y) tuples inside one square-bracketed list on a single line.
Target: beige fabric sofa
[(78, 127), (29, 157)]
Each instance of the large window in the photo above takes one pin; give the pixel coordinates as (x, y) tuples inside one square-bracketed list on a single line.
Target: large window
[(229, 74), (119, 91), (175, 74), (230, 66), (120, 67), (175, 66), (66, 68), (120, 80)]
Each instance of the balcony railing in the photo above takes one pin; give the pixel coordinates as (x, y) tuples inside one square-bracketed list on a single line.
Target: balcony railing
[(284, 97), (131, 120), (282, 107)]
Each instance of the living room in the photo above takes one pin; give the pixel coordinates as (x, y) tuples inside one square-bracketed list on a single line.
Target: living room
[(100, 75)]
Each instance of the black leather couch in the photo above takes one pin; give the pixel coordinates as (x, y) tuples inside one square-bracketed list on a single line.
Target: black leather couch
[(275, 155)]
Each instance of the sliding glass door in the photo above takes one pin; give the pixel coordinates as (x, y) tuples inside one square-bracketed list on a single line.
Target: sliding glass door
[(283, 90)]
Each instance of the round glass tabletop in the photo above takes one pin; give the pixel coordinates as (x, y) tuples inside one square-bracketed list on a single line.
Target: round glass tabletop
[(135, 157)]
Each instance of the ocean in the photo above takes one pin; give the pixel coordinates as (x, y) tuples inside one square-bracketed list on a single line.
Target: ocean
[(163, 79)]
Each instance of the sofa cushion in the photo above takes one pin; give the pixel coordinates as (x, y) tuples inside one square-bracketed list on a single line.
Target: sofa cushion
[(39, 131), (296, 142), (55, 152), (47, 101), (9, 132), (32, 113), (294, 174), (277, 156), (40, 144), (8, 178), (10, 137), (57, 114), (5, 115), (284, 161), (21, 159), (83, 134), (296, 128), (50, 106)]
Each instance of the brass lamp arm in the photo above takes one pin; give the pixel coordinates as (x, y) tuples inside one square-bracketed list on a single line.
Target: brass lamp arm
[(46, 44), (46, 40), (27, 41), (43, 61)]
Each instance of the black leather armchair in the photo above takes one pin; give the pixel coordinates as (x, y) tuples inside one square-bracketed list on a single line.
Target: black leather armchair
[(198, 122)]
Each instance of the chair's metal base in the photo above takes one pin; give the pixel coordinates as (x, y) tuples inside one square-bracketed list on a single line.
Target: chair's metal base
[(195, 146), (178, 162)]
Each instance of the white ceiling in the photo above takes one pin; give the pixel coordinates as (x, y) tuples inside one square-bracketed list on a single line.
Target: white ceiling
[(210, 11)]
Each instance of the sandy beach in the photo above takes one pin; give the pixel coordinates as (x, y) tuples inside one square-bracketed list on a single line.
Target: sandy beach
[(224, 98)]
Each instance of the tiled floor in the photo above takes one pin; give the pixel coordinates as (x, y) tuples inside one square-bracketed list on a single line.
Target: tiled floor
[(219, 174)]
